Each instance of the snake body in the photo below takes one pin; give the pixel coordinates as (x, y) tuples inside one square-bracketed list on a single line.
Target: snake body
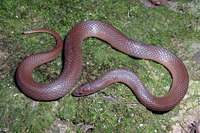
[(73, 67)]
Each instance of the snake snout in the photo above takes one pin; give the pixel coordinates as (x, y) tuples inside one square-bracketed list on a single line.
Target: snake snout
[(77, 92), (82, 90)]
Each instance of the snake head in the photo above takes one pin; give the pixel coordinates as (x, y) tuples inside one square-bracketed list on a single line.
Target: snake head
[(82, 90)]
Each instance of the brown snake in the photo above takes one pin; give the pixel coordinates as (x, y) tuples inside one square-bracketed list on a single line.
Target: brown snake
[(73, 67)]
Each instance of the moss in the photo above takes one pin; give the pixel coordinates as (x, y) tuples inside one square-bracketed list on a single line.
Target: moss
[(156, 26)]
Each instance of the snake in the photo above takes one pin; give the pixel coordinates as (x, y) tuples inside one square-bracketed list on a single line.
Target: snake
[(72, 67)]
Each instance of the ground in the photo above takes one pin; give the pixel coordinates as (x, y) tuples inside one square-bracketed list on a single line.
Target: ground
[(174, 26)]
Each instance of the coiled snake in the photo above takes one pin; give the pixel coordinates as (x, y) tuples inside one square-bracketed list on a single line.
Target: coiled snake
[(73, 65)]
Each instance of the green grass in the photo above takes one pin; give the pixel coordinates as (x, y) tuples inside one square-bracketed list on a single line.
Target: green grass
[(161, 26)]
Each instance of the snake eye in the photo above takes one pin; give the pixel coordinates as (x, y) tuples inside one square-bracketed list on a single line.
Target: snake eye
[(80, 93)]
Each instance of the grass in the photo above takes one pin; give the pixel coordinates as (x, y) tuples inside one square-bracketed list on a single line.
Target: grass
[(157, 26)]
